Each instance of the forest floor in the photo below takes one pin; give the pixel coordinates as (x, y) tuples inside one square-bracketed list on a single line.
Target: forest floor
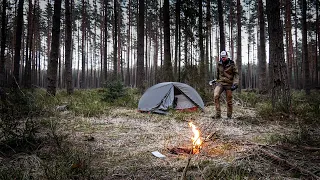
[(120, 145)]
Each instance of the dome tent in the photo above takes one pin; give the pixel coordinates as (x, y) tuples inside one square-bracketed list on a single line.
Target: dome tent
[(160, 97)]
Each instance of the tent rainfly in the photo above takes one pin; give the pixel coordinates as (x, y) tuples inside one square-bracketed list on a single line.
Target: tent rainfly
[(160, 97)]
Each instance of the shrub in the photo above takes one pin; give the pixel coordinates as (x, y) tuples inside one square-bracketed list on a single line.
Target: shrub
[(306, 107), (114, 90), (86, 102), (18, 117), (117, 95), (249, 99), (265, 109)]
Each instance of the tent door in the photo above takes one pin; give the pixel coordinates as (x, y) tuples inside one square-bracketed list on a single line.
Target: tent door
[(181, 101)]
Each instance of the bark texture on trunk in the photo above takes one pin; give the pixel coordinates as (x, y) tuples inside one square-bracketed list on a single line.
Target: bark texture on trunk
[(53, 63)]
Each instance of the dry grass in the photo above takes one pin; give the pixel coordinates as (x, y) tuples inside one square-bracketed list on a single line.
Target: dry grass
[(119, 146)]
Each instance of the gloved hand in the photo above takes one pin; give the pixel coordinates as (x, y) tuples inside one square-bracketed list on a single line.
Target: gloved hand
[(212, 82), (234, 87)]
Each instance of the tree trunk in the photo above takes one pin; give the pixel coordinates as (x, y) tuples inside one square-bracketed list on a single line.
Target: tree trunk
[(146, 54), (208, 32), (53, 63), (202, 68), (49, 21), (18, 44), (155, 61), (140, 48), (297, 79), (3, 43), (27, 72), (68, 44), (279, 83), (176, 38), (221, 25), (115, 27), (128, 82), (262, 60), (289, 41), (168, 74), (239, 60), (318, 44), (83, 53), (305, 48), (105, 60), (231, 55), (94, 78)]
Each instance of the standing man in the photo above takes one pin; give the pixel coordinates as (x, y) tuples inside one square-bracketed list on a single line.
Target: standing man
[(227, 80)]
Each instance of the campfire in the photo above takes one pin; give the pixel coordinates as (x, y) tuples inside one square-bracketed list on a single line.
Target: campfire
[(196, 143), (196, 139)]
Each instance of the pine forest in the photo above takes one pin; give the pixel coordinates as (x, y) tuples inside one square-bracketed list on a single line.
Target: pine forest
[(159, 89)]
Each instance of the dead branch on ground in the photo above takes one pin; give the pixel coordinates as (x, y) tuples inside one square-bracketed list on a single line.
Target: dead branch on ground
[(286, 162)]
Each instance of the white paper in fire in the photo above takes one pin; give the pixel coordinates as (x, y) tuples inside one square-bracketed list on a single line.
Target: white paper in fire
[(158, 154)]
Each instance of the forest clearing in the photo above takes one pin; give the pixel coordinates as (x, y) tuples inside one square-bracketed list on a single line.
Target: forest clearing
[(76, 75), (116, 142)]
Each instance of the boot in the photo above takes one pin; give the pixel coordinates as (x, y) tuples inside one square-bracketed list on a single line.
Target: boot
[(217, 116)]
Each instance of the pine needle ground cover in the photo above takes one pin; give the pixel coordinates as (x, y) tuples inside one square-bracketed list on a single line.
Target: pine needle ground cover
[(116, 143)]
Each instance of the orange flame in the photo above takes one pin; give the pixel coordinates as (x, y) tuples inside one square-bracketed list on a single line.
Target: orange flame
[(196, 141)]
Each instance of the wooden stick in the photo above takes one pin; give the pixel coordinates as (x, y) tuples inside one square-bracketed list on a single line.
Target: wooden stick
[(310, 148), (274, 157), (184, 173)]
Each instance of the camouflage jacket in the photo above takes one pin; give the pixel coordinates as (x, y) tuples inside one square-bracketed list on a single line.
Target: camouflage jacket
[(228, 73)]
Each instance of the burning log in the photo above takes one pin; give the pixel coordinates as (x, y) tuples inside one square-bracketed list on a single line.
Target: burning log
[(180, 151)]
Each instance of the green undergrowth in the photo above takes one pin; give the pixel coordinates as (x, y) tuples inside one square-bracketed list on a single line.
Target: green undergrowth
[(53, 157), (304, 107), (116, 94), (88, 103), (249, 99), (32, 146)]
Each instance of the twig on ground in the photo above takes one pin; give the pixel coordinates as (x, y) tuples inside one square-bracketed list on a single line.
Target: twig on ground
[(293, 166), (184, 173), (310, 148), (201, 172)]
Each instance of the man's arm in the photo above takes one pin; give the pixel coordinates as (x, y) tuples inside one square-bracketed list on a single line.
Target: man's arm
[(218, 74), (235, 75)]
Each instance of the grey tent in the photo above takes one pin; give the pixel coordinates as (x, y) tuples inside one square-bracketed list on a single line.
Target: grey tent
[(160, 97)]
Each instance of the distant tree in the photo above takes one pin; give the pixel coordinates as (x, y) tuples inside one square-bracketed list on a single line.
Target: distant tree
[(29, 40), (168, 74), (128, 82), (305, 48), (318, 36), (3, 42), (140, 48), (262, 58), (176, 37), (208, 64), (17, 56), (239, 60), (68, 50), (49, 15), (202, 58), (105, 56), (221, 25), (55, 48), (289, 45), (279, 79), (115, 40), (83, 45)]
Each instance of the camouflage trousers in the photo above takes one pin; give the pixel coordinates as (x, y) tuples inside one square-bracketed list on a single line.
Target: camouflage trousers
[(217, 93)]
